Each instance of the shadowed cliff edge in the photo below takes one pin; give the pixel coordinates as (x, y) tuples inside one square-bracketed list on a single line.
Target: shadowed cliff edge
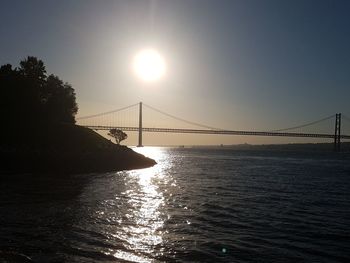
[(65, 148)]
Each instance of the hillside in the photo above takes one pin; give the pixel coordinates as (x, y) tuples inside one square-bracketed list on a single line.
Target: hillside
[(65, 148)]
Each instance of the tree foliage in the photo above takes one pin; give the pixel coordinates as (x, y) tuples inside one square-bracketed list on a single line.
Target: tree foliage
[(31, 97), (118, 135)]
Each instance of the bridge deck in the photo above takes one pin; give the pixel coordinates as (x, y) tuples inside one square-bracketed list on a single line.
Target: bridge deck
[(220, 132)]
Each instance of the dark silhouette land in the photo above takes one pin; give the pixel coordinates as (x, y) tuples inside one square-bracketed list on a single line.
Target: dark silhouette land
[(38, 127)]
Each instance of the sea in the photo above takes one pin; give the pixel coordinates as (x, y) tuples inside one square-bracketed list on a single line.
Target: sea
[(195, 205)]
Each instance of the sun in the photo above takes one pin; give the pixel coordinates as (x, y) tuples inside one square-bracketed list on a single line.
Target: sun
[(149, 65)]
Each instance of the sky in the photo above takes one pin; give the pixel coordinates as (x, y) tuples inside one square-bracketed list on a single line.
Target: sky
[(243, 65)]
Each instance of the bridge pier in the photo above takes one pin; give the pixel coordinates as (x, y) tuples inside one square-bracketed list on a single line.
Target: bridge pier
[(140, 125), (337, 132)]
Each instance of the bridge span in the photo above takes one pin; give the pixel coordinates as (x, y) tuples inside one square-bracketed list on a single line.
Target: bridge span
[(220, 132), (336, 136)]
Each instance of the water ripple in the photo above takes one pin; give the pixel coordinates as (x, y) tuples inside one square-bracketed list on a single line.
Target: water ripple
[(195, 205)]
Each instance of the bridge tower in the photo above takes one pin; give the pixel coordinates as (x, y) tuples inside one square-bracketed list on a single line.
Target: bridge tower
[(337, 132), (140, 125)]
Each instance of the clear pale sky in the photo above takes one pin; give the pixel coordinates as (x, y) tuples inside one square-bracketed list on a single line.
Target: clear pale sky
[(257, 65)]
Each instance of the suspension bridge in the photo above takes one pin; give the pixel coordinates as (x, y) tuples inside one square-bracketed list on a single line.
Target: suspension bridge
[(126, 122)]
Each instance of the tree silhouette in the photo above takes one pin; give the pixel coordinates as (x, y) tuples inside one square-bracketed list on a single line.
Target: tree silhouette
[(33, 68), (118, 135), (30, 97), (59, 100)]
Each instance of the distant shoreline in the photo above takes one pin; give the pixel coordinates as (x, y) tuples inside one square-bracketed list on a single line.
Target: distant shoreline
[(324, 147)]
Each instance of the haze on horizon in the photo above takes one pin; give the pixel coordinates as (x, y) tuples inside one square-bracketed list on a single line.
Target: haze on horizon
[(255, 65)]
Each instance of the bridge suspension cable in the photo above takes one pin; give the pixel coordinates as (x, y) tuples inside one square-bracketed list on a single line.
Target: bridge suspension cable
[(118, 122), (346, 118), (106, 113), (304, 125), (180, 119)]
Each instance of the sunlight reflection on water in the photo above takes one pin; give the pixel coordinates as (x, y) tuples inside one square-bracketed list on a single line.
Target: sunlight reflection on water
[(144, 220)]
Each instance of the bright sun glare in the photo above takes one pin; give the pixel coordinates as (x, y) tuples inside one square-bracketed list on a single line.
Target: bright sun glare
[(149, 65)]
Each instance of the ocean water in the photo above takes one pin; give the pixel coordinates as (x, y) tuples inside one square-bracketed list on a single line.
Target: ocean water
[(195, 205)]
